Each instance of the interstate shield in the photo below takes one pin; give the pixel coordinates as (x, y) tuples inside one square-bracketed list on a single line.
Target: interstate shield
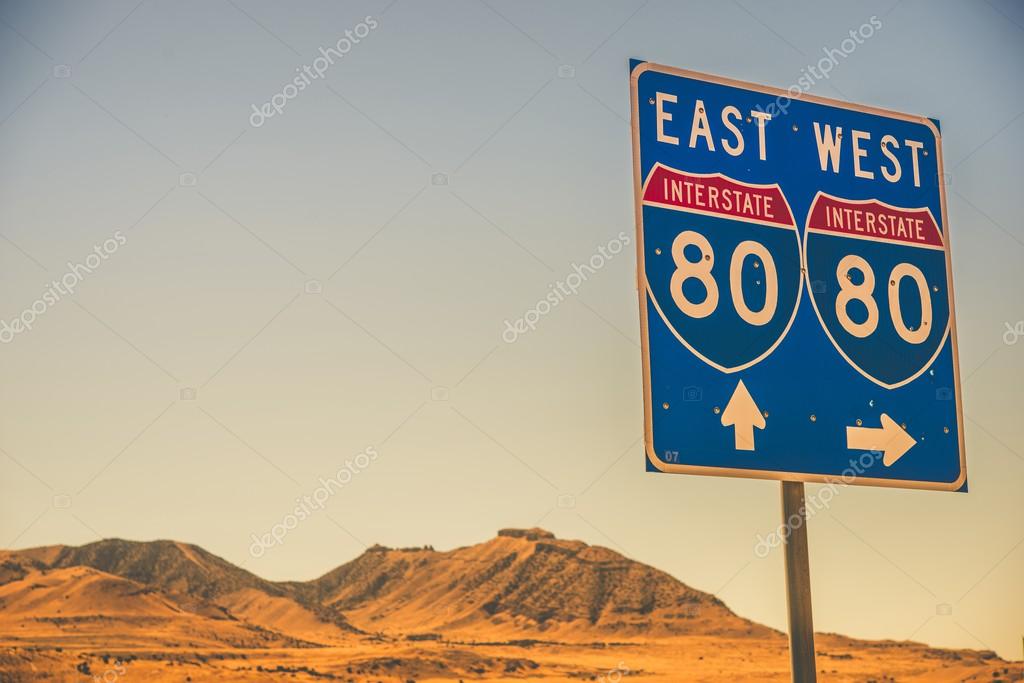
[(722, 260)]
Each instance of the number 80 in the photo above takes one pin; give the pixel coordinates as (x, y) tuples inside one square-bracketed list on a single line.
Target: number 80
[(863, 293), (701, 270)]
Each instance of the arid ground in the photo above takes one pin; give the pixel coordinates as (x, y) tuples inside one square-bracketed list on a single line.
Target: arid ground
[(523, 605)]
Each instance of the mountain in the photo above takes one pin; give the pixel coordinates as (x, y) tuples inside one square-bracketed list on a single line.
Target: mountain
[(193, 579), (523, 603), (48, 595), (55, 603), (522, 582)]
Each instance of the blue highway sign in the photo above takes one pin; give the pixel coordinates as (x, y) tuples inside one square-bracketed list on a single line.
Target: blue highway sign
[(796, 295)]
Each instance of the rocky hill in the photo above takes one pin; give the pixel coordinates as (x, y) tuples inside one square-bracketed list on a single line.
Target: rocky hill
[(523, 581)]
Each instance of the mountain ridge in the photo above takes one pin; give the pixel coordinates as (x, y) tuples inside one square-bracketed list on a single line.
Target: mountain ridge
[(522, 581)]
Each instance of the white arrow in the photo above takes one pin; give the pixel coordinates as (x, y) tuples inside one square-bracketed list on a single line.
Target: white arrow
[(890, 438), (742, 413)]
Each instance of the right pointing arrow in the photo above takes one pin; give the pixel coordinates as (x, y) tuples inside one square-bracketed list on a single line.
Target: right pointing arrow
[(890, 438)]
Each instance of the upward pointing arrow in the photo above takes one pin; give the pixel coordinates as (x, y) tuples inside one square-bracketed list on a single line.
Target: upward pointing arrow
[(742, 413)]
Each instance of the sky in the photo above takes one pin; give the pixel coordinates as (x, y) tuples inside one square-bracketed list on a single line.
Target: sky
[(249, 305)]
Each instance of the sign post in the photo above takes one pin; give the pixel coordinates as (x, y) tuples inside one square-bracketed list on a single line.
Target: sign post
[(796, 297), (798, 584)]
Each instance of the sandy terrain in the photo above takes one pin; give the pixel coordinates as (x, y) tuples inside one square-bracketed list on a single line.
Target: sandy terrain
[(682, 659)]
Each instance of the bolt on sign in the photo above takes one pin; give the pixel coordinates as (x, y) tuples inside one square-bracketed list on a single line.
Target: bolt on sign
[(796, 295)]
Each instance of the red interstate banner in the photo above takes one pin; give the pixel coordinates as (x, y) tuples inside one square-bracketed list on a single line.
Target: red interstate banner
[(716, 195), (874, 220)]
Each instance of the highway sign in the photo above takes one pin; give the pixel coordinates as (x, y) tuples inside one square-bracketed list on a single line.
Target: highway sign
[(796, 295)]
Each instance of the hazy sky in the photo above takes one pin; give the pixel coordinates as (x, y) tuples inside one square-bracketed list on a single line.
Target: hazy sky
[(254, 305)]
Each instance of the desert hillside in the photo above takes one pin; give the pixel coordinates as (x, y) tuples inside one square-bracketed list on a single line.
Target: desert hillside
[(523, 604), (524, 582)]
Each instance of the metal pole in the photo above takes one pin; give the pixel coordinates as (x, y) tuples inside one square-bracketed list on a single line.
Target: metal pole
[(798, 584)]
